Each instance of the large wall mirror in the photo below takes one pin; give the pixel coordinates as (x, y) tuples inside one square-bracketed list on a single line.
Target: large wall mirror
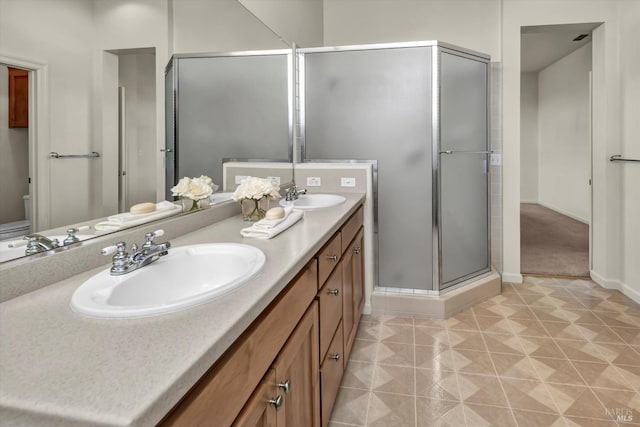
[(96, 82)]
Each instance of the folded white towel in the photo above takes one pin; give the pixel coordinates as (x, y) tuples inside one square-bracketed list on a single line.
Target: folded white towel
[(127, 219), (269, 228)]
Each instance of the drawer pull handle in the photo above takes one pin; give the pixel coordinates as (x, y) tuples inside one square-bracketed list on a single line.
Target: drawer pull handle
[(333, 291), (285, 386), (333, 257), (356, 250), (335, 357), (277, 402)]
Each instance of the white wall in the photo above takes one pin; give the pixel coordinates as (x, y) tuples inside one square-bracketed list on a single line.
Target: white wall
[(299, 22), (529, 137), (630, 81), (469, 23), (563, 129)]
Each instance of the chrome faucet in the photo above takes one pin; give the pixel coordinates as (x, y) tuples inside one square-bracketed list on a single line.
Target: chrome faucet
[(151, 251), (293, 192), (39, 243)]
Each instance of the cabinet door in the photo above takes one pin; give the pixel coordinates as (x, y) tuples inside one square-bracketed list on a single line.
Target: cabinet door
[(262, 407), (348, 319), (357, 251), (18, 98), (297, 374)]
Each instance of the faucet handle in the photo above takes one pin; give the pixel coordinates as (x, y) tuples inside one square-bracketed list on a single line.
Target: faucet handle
[(149, 237)]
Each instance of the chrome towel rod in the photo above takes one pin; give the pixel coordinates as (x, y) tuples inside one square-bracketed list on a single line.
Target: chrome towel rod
[(54, 155), (619, 158)]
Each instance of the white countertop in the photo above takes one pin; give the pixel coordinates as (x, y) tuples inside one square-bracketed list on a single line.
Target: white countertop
[(59, 367)]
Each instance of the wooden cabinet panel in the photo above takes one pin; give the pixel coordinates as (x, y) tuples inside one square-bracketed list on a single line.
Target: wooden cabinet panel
[(357, 249), (297, 374), (353, 291), (328, 258), (351, 227), (18, 98), (260, 410), (221, 393), (330, 301), (331, 375)]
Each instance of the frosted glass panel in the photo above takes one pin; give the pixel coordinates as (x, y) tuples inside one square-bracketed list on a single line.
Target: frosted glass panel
[(463, 225), (233, 107), (463, 174), (376, 105)]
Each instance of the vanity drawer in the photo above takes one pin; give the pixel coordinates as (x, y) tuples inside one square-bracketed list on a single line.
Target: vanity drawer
[(330, 302), (331, 375), (328, 258), (351, 227)]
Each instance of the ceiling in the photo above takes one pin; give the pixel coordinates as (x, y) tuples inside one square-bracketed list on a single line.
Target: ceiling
[(543, 45)]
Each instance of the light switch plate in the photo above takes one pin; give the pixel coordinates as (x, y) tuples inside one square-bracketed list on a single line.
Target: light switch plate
[(314, 181), (240, 178), (274, 179), (347, 182), (496, 159)]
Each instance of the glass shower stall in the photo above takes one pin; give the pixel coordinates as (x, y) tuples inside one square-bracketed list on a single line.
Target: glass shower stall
[(420, 111)]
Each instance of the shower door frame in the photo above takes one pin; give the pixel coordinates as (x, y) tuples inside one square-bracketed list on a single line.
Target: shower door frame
[(437, 48)]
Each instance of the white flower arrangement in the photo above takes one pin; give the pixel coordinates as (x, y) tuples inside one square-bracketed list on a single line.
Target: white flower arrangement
[(256, 189), (194, 188)]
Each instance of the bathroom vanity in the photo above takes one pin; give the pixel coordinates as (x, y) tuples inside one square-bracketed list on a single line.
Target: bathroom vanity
[(274, 349)]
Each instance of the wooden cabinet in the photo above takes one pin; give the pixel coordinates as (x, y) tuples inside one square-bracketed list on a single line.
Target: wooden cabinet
[(353, 291), (18, 98), (286, 368)]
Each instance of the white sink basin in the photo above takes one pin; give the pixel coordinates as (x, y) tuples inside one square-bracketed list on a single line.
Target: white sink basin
[(187, 276), (7, 253), (314, 201)]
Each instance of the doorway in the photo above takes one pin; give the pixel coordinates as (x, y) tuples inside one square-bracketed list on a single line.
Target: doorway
[(556, 195)]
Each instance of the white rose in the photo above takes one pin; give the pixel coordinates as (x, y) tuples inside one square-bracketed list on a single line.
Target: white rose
[(199, 189), (182, 188), (256, 188)]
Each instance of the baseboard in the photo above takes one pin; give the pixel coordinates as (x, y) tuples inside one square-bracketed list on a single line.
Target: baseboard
[(627, 290), (535, 202), (511, 277), (563, 212)]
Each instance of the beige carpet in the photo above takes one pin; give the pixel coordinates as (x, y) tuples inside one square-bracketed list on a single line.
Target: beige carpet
[(551, 243)]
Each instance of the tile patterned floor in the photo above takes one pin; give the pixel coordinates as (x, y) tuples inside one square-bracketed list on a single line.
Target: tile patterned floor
[(549, 352)]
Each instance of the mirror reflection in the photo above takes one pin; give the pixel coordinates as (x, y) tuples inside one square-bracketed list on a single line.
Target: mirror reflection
[(96, 85)]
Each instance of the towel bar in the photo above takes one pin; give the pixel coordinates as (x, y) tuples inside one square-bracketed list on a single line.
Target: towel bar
[(54, 155)]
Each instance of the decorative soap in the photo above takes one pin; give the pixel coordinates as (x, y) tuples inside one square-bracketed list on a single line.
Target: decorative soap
[(143, 208), (275, 213)]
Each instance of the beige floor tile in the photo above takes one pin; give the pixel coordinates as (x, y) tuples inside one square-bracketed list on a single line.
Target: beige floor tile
[(528, 328), (402, 334), (482, 390), (537, 419), (397, 320), (624, 401), (391, 410), (394, 379), (503, 343), (472, 362), (437, 384), (514, 366), (619, 320), (552, 314), (563, 330), (528, 395), (358, 375), (369, 331), (466, 340), (556, 371), (439, 413), (371, 318), (480, 415), (351, 406), (431, 323), (431, 336), (629, 335), (498, 325), (518, 312), (390, 353), (577, 401), (462, 322), (541, 347), (436, 358), (487, 309), (364, 350), (631, 375), (619, 353), (588, 422), (602, 375), (581, 350), (599, 334)]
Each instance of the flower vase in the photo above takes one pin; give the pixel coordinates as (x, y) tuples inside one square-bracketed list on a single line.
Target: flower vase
[(189, 205), (254, 209)]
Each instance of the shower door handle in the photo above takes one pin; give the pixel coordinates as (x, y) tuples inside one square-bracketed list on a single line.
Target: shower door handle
[(465, 152)]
